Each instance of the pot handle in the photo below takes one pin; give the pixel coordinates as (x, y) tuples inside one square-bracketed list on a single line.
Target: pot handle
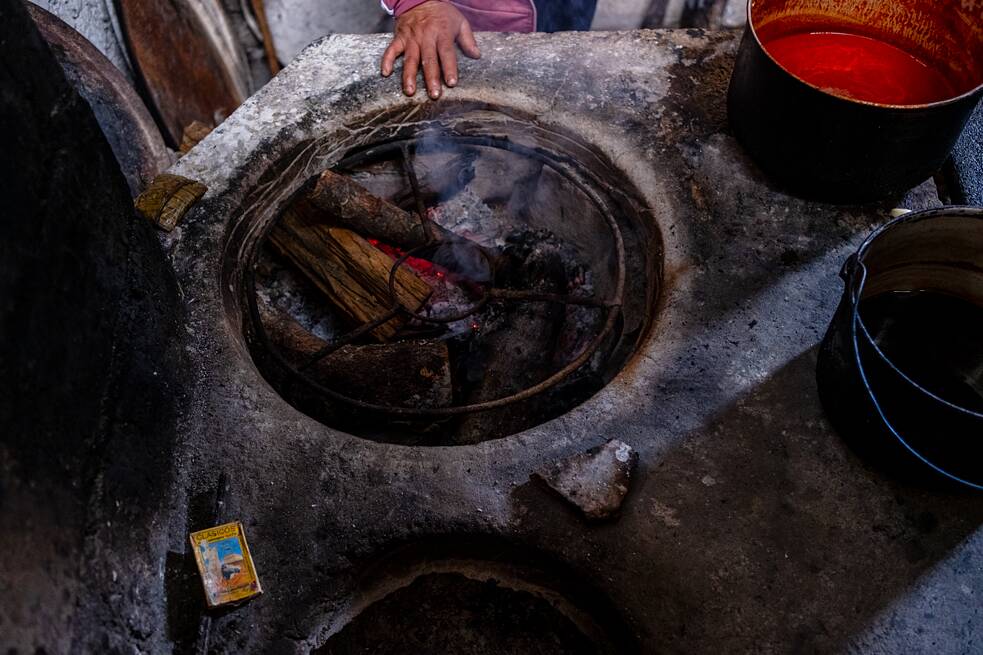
[(858, 275)]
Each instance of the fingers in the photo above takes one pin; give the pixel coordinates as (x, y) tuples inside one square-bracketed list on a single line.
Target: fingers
[(426, 37), (448, 61), (431, 69), (411, 66), (467, 41), (392, 53)]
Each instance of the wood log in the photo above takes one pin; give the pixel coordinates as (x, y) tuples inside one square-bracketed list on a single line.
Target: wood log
[(401, 374), (353, 273), (353, 206), (194, 134)]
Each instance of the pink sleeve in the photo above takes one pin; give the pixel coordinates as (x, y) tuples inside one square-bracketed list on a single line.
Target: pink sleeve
[(399, 7)]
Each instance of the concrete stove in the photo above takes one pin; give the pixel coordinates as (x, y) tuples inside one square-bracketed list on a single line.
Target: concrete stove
[(749, 526)]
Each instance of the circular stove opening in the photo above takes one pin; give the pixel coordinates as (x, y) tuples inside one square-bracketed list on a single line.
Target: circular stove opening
[(474, 596), (449, 286), (449, 612)]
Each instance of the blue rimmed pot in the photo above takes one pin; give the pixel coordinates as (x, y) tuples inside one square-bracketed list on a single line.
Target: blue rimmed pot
[(880, 406)]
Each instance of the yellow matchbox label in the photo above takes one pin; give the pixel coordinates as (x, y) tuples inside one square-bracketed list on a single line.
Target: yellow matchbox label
[(225, 565)]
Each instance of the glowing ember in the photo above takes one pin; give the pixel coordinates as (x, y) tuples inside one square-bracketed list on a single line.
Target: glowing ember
[(417, 264)]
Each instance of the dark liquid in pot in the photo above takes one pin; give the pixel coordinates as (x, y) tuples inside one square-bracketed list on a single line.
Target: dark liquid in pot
[(934, 339), (860, 67)]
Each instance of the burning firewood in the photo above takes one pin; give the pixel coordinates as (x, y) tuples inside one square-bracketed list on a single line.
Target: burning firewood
[(402, 374), (355, 207), (347, 268)]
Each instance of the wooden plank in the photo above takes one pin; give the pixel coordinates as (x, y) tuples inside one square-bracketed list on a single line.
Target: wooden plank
[(259, 9), (188, 61), (168, 198)]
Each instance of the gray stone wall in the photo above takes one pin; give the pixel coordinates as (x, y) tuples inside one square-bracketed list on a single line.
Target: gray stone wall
[(296, 23)]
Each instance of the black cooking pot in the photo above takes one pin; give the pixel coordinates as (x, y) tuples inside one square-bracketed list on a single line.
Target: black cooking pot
[(829, 147), (900, 370)]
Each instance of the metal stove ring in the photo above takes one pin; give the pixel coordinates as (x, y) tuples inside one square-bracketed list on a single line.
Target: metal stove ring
[(612, 307)]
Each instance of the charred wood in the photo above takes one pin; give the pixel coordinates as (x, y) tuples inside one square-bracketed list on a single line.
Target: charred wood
[(401, 374), (519, 352), (353, 206)]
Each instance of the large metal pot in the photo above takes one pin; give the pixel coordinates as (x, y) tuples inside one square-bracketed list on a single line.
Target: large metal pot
[(827, 147), (893, 412)]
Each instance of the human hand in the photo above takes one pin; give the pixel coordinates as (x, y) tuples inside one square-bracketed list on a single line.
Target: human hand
[(426, 35)]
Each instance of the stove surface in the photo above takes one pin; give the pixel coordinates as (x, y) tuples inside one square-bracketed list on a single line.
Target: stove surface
[(749, 527)]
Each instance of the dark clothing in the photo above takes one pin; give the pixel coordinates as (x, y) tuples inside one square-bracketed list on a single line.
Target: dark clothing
[(564, 15)]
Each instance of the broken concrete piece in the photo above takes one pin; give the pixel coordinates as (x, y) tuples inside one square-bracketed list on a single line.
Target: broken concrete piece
[(596, 481)]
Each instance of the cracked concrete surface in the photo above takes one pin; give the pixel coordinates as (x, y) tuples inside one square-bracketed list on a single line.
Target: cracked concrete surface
[(750, 528)]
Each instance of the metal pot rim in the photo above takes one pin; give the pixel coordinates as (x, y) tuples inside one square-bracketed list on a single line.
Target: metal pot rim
[(858, 286), (855, 321), (964, 211), (857, 278), (752, 29)]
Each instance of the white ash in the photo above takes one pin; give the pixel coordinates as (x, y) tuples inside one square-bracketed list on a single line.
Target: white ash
[(279, 285), (466, 215), (448, 298)]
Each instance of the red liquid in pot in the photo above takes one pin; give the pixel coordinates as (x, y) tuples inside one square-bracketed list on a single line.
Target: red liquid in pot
[(860, 67)]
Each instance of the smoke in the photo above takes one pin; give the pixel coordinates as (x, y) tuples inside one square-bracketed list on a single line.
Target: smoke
[(464, 259)]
